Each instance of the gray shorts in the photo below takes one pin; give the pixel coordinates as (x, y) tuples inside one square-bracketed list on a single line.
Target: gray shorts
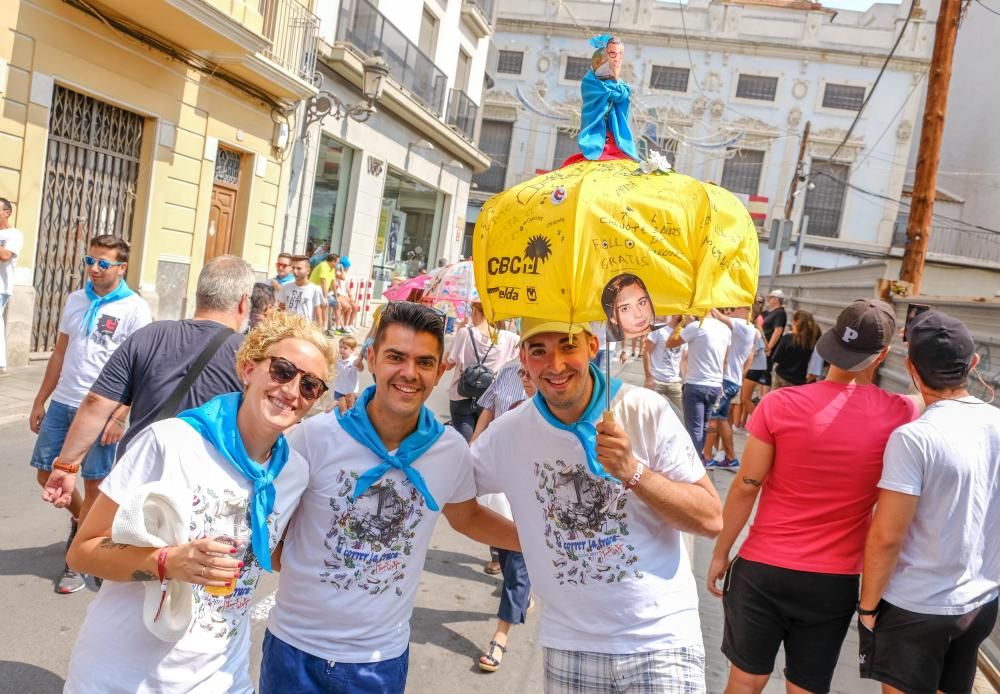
[(670, 671)]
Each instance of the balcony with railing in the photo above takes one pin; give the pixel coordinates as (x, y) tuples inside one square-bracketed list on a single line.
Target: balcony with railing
[(462, 113), (971, 244), (478, 14), (270, 44), (368, 30)]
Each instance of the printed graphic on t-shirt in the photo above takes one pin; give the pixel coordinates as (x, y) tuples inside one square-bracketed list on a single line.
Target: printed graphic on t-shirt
[(371, 538), (216, 514), (585, 525)]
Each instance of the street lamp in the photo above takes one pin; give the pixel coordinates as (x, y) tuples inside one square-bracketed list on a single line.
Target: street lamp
[(326, 103)]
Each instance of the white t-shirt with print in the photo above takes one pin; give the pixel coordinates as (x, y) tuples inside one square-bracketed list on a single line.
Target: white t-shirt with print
[(350, 569), (614, 577), (949, 563), (346, 380), (13, 240), (707, 342), (664, 362), (743, 335), (86, 355), (301, 300), (114, 652)]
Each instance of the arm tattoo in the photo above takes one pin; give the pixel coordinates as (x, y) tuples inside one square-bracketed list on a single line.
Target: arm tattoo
[(753, 482), (108, 543), (139, 575)]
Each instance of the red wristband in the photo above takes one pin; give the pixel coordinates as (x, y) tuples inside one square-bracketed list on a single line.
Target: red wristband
[(161, 572)]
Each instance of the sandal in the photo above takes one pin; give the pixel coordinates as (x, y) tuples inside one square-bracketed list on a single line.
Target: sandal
[(493, 569), (488, 661)]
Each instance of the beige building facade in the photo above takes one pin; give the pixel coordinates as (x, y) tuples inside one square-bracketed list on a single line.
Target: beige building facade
[(165, 122)]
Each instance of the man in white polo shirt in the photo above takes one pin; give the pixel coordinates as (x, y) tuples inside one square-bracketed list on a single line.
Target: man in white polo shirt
[(708, 344), (600, 509)]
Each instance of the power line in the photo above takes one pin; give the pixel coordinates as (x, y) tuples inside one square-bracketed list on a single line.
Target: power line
[(878, 78)]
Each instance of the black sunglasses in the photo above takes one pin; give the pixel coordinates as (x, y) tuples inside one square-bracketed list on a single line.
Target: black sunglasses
[(311, 387)]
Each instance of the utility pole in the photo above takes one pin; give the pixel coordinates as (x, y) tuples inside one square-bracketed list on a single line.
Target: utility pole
[(918, 228), (790, 201)]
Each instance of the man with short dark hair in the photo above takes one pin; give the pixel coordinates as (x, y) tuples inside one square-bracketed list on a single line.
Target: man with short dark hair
[(352, 559), (814, 455), (932, 559), (151, 366), (11, 241), (600, 507), (95, 322)]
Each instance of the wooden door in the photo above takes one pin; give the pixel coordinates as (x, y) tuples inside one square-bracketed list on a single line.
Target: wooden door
[(220, 221)]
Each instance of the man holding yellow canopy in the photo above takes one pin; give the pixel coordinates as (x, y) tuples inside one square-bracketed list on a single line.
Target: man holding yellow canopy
[(600, 507)]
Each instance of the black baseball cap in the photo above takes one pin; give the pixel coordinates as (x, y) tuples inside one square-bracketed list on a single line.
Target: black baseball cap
[(940, 348), (862, 331)]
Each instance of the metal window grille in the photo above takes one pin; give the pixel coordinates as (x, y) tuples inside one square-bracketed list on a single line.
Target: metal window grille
[(91, 176), (741, 172), (494, 141), (576, 68), (227, 167), (825, 200), (757, 87), (510, 62), (566, 146), (671, 79), (843, 97)]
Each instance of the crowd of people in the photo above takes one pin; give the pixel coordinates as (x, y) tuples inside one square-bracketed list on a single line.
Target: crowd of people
[(203, 425)]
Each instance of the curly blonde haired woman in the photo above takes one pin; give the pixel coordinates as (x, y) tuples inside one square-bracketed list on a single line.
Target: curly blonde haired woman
[(231, 459)]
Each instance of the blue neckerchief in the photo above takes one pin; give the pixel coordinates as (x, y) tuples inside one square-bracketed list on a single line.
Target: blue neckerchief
[(90, 317), (584, 428), (600, 98), (356, 423), (216, 422)]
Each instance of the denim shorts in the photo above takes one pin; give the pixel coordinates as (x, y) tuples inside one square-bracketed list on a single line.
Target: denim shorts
[(55, 425), (721, 409)]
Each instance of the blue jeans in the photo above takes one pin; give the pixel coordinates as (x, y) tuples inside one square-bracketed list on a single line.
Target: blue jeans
[(516, 592), (698, 401), (285, 668), (55, 425)]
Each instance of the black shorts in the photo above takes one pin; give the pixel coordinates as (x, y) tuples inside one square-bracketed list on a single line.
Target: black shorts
[(923, 653), (767, 606), (758, 376)]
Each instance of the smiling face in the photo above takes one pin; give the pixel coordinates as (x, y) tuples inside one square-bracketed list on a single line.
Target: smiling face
[(559, 366), (406, 365), (633, 311), (104, 281), (272, 406)]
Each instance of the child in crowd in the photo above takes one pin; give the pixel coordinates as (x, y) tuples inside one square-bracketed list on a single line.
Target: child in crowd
[(347, 368)]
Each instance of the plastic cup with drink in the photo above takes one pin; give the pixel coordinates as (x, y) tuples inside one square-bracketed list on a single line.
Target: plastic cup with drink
[(238, 538)]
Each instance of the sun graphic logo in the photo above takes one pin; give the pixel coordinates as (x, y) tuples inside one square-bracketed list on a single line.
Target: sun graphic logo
[(538, 250)]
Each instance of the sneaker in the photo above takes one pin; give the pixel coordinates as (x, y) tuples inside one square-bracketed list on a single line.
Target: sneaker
[(70, 582)]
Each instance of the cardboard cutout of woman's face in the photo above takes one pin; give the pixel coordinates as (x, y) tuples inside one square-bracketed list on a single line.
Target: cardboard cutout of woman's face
[(607, 62)]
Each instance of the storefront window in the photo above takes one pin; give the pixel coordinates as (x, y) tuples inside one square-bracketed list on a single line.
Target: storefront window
[(407, 239), (326, 219)]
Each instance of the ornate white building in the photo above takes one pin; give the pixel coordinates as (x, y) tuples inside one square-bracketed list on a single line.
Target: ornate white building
[(726, 88)]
